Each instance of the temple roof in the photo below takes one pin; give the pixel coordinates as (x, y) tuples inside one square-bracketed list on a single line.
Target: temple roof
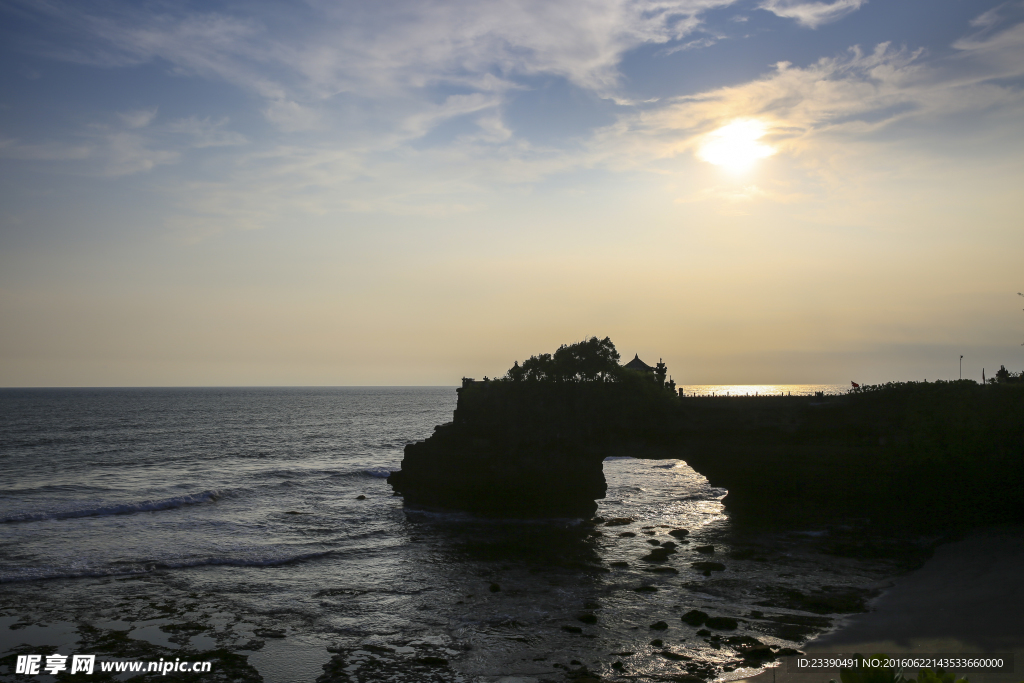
[(637, 364)]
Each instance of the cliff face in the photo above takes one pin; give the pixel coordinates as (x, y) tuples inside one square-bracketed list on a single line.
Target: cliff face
[(914, 455), (527, 448)]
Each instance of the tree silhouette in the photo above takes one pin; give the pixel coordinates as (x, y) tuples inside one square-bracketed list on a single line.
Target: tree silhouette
[(593, 360)]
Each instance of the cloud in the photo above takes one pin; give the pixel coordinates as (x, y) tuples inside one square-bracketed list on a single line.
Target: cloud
[(812, 14), (12, 148), (139, 118), (204, 133), (391, 60)]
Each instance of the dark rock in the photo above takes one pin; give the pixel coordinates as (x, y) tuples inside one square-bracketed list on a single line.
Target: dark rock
[(788, 652), (662, 570), (721, 623), (618, 666), (679, 533), (709, 566), (827, 600), (572, 629), (756, 654), (627, 534), (495, 588), (360, 497), (656, 555), (756, 614), (657, 642), (618, 563), (695, 617), (432, 661), (646, 589), (706, 549), (669, 544), (703, 632), (587, 618), (653, 541), (659, 626), (269, 633), (619, 521)]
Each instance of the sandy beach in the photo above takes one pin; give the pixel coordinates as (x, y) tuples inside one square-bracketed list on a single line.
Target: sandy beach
[(968, 599)]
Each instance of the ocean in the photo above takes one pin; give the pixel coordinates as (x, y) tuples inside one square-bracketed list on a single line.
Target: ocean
[(254, 527)]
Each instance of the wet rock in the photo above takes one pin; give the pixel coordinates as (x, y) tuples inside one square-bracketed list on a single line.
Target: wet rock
[(619, 521), (679, 533), (826, 600), (703, 632), (619, 563), (360, 497), (572, 629), (657, 642), (756, 654), (721, 623), (708, 566), (695, 617), (627, 534), (659, 625), (646, 589), (618, 666), (587, 618), (653, 541), (706, 549), (269, 633), (657, 555), (669, 544)]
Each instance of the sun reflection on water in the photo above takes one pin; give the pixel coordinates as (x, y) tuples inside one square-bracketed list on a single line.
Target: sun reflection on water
[(760, 389)]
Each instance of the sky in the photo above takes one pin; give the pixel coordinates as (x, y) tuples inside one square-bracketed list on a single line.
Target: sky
[(411, 192)]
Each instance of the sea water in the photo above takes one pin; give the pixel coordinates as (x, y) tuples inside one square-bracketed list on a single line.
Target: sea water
[(260, 521)]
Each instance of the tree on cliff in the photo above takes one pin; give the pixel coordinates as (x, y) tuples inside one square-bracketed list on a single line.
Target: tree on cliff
[(593, 360)]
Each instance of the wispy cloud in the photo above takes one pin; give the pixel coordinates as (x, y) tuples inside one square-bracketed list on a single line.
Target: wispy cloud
[(812, 14), (139, 118), (300, 65)]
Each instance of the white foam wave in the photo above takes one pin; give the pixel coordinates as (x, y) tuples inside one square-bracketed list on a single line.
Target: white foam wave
[(114, 508), (145, 567), (378, 472)]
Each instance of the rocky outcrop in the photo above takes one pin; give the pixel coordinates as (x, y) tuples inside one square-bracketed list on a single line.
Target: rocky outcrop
[(914, 454)]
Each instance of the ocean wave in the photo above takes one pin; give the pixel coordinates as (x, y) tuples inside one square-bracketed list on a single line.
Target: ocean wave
[(23, 574), (114, 508), (379, 472)]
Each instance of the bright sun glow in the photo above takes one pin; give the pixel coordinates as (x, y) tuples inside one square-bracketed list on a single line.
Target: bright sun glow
[(735, 147)]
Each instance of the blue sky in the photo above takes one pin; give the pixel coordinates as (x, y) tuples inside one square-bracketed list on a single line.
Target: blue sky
[(409, 192)]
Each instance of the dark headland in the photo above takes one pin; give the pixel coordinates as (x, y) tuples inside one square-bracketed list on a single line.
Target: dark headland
[(913, 455)]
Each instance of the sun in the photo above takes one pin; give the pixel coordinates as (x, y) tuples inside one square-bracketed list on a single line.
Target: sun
[(735, 146)]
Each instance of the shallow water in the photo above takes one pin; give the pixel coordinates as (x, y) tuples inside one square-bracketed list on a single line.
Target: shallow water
[(237, 511)]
